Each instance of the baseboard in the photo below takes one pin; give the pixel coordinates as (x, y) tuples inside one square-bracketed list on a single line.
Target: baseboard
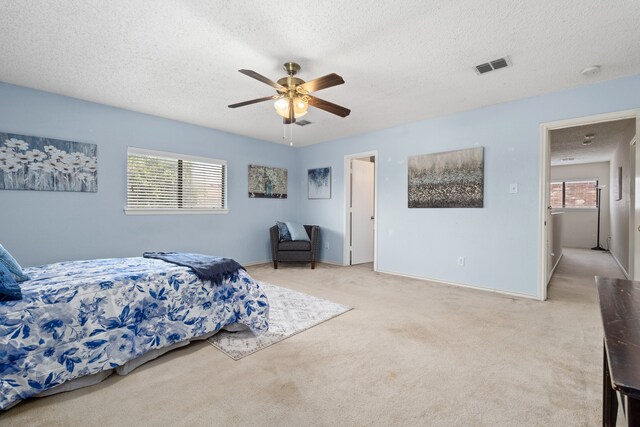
[(331, 263), (268, 261), (425, 279), (615, 258), (553, 270), (250, 263), (462, 285)]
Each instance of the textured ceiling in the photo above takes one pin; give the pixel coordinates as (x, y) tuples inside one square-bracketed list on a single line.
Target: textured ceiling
[(567, 143), (402, 61)]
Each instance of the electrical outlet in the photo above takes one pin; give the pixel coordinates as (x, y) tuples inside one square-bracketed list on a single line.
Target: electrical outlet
[(513, 188), (461, 261)]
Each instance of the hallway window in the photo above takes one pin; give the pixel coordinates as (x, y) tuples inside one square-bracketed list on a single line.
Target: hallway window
[(574, 194)]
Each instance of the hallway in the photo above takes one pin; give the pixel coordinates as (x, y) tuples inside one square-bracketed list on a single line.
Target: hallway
[(573, 282), (574, 277)]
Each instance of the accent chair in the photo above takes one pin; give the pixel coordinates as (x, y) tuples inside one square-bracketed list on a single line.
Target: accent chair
[(295, 250)]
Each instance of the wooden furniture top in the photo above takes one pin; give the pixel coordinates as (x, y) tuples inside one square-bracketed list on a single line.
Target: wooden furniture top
[(620, 310)]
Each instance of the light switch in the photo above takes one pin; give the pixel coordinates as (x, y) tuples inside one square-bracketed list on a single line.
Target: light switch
[(513, 188)]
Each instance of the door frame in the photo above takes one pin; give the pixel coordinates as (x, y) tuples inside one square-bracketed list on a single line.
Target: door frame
[(545, 169), (347, 197), (633, 161)]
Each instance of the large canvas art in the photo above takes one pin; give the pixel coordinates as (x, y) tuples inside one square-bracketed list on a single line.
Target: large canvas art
[(454, 179), (267, 182), (45, 164), (319, 183)]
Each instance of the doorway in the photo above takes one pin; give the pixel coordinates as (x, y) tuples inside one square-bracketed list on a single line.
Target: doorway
[(361, 209), (546, 250)]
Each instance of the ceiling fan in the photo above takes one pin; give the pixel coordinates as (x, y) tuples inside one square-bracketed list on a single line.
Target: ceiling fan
[(293, 94)]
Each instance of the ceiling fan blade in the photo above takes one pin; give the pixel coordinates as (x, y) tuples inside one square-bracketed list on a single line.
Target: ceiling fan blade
[(323, 82), (254, 101), (328, 106), (263, 79)]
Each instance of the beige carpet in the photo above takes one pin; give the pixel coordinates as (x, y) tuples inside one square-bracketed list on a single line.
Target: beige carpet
[(290, 313), (410, 353)]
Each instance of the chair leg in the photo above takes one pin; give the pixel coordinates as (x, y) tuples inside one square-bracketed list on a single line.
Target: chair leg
[(313, 265), (275, 264)]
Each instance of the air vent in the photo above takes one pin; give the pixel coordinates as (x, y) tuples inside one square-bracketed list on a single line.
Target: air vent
[(496, 64), (483, 68), (303, 122)]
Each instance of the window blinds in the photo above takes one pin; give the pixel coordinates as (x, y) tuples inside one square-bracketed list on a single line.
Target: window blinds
[(167, 181)]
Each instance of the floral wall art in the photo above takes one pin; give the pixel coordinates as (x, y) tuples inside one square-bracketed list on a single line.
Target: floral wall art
[(45, 164), (267, 182)]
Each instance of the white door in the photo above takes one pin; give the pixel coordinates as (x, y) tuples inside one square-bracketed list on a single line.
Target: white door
[(362, 210)]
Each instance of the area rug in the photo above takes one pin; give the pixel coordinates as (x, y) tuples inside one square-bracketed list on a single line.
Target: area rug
[(290, 312)]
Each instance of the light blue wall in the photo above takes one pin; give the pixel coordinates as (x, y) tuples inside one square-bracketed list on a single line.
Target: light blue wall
[(500, 241), (40, 227)]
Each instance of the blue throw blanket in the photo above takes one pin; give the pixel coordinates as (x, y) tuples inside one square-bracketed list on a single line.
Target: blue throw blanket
[(206, 267)]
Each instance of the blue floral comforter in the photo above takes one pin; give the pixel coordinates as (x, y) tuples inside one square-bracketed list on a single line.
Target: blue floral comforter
[(81, 317)]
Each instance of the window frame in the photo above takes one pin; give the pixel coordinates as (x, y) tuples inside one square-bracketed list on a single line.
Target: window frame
[(175, 211), (563, 181)]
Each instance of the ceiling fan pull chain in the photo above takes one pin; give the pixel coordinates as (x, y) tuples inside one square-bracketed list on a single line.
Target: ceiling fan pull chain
[(291, 142)]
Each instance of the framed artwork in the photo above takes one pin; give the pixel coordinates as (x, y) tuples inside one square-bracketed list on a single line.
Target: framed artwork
[(319, 183), (45, 164), (267, 182), (454, 179)]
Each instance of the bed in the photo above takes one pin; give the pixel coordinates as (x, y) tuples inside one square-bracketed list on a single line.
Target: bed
[(85, 319)]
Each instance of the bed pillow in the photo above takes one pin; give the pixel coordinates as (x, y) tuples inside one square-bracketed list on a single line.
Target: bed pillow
[(297, 231), (9, 288), (12, 265), (285, 236)]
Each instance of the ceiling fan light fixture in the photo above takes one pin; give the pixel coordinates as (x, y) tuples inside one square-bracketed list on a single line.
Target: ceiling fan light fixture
[(299, 107), (282, 107)]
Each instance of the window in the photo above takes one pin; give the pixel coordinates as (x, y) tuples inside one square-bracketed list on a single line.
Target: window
[(574, 194), (159, 182)]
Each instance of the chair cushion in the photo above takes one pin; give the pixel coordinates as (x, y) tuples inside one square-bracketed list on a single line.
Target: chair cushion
[(294, 245), (297, 231), (294, 256)]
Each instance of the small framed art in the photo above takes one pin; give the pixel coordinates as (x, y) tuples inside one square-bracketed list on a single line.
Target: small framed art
[(319, 183)]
